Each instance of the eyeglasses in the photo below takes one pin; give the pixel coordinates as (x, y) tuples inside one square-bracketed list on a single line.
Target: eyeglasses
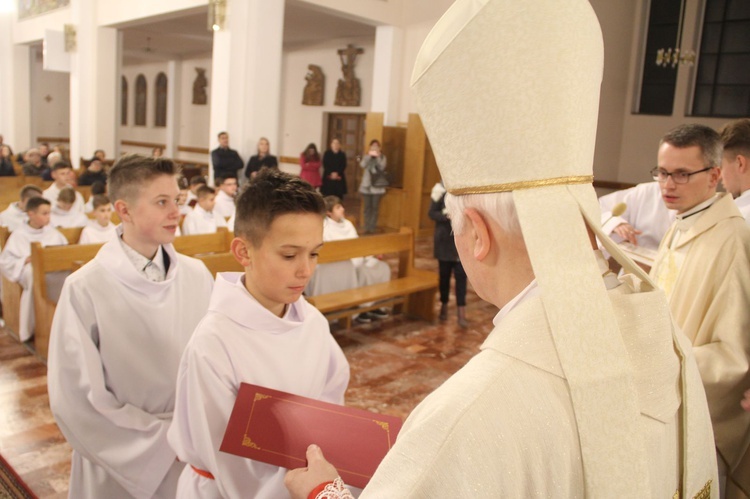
[(662, 175)]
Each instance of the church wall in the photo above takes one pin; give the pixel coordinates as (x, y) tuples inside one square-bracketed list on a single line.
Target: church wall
[(194, 119), (149, 132), (300, 124), (50, 97)]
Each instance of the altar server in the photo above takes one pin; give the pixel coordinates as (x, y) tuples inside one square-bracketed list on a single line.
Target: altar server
[(260, 330), (100, 229), (121, 325), (203, 219), (16, 257), (14, 216)]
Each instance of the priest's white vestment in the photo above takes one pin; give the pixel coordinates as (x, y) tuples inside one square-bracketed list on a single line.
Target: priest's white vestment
[(200, 221), (241, 341), (710, 300), (14, 267), (115, 347)]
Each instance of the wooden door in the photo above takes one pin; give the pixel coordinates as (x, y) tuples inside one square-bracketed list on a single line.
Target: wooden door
[(349, 128)]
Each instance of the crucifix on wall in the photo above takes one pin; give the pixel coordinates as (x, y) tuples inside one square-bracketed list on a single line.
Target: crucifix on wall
[(348, 91)]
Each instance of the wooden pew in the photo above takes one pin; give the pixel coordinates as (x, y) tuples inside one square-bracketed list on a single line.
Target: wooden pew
[(412, 291), (221, 262), (11, 294), (72, 257)]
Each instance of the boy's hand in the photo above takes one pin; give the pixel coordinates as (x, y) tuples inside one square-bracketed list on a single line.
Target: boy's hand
[(301, 481)]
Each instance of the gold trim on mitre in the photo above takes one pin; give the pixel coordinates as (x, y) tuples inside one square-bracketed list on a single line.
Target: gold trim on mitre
[(524, 184)]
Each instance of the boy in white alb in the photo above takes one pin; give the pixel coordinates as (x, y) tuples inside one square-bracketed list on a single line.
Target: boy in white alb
[(100, 229), (259, 329), (16, 255), (14, 216), (120, 327), (369, 270), (203, 219), (63, 215), (63, 176), (97, 187), (227, 192)]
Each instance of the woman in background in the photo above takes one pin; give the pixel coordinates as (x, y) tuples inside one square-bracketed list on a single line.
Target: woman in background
[(309, 161), (334, 171), (374, 160), (264, 158)]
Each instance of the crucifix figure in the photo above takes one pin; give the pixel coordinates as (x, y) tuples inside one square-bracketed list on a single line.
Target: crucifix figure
[(348, 91)]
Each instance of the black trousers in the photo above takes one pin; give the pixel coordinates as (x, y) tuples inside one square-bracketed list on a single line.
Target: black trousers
[(446, 268)]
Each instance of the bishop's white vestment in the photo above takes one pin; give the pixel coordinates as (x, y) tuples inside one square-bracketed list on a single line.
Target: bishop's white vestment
[(114, 351), (504, 425), (14, 267), (241, 341)]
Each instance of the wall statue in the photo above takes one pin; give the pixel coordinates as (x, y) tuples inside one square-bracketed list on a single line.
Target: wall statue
[(313, 92), (199, 87), (348, 90)]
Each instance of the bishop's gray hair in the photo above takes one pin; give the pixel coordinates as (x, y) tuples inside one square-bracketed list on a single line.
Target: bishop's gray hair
[(499, 206)]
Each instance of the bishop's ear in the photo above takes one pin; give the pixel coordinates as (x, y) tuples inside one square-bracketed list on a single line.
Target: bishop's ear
[(479, 232)]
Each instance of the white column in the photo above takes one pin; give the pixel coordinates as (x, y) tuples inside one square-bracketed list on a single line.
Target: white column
[(15, 97), (245, 81), (93, 85), (386, 74), (174, 97)]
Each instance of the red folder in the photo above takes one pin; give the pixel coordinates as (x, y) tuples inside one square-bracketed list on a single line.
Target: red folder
[(276, 427)]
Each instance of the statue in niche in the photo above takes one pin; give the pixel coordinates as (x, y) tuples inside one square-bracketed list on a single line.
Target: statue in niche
[(199, 87), (348, 91), (313, 92)]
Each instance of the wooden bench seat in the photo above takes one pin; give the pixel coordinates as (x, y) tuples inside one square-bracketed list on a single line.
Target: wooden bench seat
[(70, 258), (412, 291)]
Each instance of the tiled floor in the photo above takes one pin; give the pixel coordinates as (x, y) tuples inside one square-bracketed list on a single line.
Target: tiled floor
[(394, 364)]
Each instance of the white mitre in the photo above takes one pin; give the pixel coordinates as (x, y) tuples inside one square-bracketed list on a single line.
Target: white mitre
[(519, 80)]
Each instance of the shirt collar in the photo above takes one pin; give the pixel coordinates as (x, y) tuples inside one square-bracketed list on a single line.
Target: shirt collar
[(152, 269), (686, 220)]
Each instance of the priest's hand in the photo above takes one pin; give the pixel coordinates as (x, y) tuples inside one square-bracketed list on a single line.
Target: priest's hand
[(628, 232), (301, 481), (745, 403)]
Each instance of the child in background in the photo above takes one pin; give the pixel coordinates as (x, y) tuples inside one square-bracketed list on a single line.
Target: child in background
[(96, 188), (369, 269), (100, 229), (120, 327), (63, 176), (14, 216), (16, 255), (182, 183), (203, 219), (225, 196), (63, 214), (259, 329), (195, 182)]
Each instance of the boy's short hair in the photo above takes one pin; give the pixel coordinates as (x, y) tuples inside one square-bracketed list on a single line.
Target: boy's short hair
[(60, 165), (269, 195), (198, 179), (99, 200), (98, 187), (132, 171), (204, 191), (67, 195), (331, 202), (735, 136), (29, 191), (36, 202)]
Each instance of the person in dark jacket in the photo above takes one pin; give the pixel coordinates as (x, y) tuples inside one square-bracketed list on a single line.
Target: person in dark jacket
[(226, 161), (447, 256), (6, 162), (334, 171), (94, 173)]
